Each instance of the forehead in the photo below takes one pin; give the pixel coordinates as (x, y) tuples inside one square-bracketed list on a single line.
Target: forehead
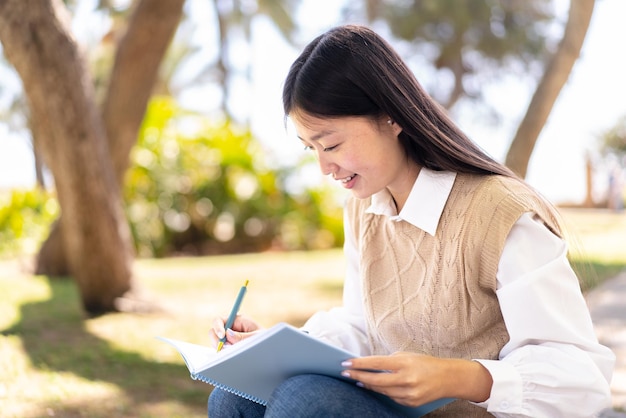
[(305, 122), (311, 122)]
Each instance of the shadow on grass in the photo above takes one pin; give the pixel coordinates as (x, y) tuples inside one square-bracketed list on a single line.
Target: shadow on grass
[(54, 337)]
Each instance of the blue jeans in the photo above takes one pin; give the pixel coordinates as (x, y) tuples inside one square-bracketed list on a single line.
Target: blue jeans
[(303, 396)]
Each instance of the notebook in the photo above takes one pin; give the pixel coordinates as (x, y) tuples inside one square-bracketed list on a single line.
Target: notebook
[(254, 367)]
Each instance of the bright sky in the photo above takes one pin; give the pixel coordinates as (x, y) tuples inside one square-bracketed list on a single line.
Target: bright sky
[(591, 102)]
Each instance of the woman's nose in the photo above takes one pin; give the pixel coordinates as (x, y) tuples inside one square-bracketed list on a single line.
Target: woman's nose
[(326, 167)]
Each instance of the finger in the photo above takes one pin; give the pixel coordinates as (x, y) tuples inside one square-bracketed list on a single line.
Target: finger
[(244, 324), (233, 337), (384, 383), (381, 363), (240, 324), (370, 379), (218, 327)]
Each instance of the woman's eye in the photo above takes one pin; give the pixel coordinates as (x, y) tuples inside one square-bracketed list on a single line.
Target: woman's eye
[(324, 149)]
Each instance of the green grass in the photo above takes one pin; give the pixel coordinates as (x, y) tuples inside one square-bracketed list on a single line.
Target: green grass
[(597, 244), (56, 362)]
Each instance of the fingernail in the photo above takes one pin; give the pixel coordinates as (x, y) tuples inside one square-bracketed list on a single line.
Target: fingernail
[(346, 363), (230, 332), (345, 373), (360, 384)]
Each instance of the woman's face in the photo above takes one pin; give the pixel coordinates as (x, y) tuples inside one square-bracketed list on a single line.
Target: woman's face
[(363, 155)]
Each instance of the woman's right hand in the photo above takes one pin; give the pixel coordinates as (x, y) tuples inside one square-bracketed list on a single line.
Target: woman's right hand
[(243, 327)]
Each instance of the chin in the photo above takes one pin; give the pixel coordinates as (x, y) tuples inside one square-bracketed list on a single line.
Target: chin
[(361, 195)]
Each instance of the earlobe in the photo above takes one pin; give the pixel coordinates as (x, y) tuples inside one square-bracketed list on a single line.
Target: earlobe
[(396, 128)]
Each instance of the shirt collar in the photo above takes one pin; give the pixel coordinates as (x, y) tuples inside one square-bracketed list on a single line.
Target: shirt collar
[(424, 206)]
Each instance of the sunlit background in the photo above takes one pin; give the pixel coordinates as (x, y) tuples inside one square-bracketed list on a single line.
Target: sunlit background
[(206, 213), (591, 102)]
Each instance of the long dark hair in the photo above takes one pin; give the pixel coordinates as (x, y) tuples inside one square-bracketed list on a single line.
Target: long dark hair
[(352, 71)]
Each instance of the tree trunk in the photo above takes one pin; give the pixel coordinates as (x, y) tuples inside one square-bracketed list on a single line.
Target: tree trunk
[(52, 260), (553, 80), (135, 72), (95, 238), (139, 53)]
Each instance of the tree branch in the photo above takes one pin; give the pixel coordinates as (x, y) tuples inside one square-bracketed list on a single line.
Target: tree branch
[(556, 75)]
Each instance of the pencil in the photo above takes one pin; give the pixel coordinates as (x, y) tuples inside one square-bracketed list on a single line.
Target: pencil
[(233, 314)]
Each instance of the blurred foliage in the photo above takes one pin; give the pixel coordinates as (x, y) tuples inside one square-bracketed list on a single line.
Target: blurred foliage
[(612, 147), (613, 141), (495, 29), (25, 219), (473, 42), (195, 188)]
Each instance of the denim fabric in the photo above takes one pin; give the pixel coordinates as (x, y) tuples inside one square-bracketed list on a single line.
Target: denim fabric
[(301, 397), (226, 404)]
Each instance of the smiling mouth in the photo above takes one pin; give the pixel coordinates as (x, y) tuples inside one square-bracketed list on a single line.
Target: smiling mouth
[(347, 179)]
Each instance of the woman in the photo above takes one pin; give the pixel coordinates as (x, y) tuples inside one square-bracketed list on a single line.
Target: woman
[(458, 281)]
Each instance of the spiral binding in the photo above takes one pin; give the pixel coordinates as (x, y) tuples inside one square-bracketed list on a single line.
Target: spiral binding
[(228, 389)]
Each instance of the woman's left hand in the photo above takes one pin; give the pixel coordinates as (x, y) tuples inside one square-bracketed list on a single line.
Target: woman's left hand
[(414, 379)]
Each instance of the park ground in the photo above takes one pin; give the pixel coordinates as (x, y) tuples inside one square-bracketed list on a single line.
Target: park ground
[(56, 362)]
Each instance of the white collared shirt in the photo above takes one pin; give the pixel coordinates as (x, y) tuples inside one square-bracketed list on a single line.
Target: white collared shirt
[(553, 365)]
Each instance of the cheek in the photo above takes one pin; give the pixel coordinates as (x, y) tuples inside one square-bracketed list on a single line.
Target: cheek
[(365, 157), (354, 162)]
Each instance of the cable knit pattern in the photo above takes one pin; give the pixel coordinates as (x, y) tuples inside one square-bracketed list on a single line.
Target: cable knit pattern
[(435, 295)]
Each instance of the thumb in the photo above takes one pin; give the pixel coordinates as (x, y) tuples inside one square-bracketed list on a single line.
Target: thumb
[(233, 337)]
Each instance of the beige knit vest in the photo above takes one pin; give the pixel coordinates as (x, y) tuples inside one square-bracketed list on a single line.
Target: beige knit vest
[(436, 295)]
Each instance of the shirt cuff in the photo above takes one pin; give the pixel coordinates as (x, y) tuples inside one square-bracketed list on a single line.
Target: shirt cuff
[(506, 392)]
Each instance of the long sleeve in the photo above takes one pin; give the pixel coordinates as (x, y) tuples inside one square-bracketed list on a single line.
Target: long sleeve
[(344, 326), (553, 365)]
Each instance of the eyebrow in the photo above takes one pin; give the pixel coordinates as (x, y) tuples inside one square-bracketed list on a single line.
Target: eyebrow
[(318, 136)]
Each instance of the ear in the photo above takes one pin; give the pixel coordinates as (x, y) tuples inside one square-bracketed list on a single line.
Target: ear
[(394, 126)]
